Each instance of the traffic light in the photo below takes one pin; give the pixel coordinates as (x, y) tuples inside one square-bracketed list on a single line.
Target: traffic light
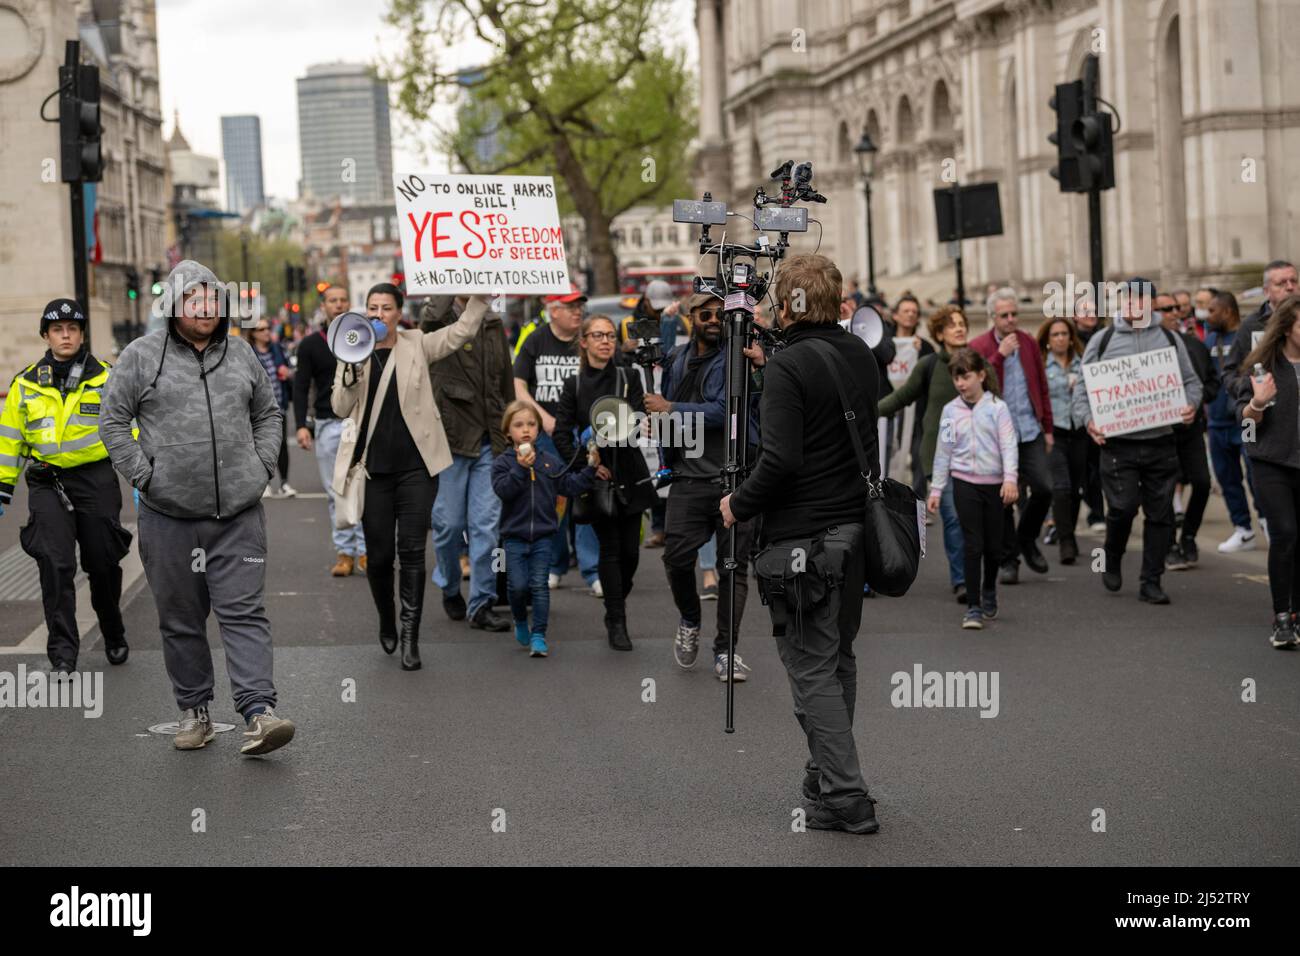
[(290, 279), (1091, 136), (1067, 103), (321, 287), (132, 284), (301, 278), (82, 159), (155, 277)]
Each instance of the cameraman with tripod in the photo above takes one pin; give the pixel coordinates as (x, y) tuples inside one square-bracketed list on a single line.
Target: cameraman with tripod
[(694, 383), (807, 487)]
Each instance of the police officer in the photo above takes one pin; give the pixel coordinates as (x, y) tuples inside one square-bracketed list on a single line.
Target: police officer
[(52, 417)]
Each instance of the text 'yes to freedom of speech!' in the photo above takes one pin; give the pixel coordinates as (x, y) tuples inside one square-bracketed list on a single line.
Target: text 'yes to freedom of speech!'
[(457, 230)]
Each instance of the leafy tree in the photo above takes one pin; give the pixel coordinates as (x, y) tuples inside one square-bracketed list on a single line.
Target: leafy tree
[(588, 91)]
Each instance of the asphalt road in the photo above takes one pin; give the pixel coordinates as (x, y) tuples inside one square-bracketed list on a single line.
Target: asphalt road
[(1103, 704)]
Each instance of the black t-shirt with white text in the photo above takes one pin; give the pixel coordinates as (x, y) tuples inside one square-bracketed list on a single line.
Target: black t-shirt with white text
[(545, 363)]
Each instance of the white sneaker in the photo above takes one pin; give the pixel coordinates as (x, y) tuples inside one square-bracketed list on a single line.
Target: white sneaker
[(552, 581), (287, 490), (739, 669), (1097, 527), (1243, 539), (268, 492), (596, 589)]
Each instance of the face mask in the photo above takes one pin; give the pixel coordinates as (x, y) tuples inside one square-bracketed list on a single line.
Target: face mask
[(1202, 315)]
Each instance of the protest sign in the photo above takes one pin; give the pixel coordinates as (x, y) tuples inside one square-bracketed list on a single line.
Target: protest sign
[(480, 234), (905, 355), (1135, 392)]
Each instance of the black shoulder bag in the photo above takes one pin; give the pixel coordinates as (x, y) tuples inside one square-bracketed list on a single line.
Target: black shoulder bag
[(891, 514), (600, 500)]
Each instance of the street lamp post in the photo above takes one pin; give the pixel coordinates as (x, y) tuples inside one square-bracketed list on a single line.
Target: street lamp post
[(866, 152)]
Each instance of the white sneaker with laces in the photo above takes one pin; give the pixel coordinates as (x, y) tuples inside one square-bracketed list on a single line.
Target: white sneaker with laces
[(287, 490), (739, 671), (686, 645), (1243, 539)]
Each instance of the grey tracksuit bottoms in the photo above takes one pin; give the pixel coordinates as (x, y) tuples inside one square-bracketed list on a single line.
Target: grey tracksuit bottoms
[(199, 565)]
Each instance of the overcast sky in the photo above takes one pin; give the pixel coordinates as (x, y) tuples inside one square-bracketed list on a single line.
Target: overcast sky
[(244, 56)]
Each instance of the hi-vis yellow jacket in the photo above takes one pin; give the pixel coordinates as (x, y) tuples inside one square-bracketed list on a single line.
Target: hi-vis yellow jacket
[(38, 422)]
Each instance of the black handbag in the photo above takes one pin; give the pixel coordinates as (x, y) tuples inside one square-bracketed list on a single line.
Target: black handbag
[(891, 515), (598, 502)]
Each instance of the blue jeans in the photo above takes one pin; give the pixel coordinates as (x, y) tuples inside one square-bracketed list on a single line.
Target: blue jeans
[(954, 545), (527, 564), (709, 554), (587, 546), (326, 444), (466, 502), (1226, 455)]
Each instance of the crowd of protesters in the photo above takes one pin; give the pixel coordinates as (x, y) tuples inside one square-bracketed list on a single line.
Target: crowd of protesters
[(481, 438)]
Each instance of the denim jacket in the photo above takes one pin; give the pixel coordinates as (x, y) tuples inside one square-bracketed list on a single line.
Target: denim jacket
[(1060, 388)]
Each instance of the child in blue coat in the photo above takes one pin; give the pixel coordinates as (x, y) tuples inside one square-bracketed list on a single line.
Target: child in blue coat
[(527, 481)]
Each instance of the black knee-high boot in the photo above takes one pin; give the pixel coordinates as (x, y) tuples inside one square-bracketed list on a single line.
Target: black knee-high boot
[(381, 589), (411, 585)]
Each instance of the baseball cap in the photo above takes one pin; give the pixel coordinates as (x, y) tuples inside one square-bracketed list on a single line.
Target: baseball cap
[(701, 299), (573, 295), (659, 293)]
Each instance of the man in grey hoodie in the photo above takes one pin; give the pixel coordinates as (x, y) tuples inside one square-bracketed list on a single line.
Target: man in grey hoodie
[(209, 435), (1139, 467)]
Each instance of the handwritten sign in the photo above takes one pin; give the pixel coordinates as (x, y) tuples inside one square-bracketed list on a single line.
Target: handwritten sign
[(1135, 392), (480, 234), (905, 356)]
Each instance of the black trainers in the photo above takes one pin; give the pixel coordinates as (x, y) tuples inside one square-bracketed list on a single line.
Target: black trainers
[(486, 619), (1190, 554), (811, 788), (858, 817), (1010, 574), (454, 606), (1284, 632), (1110, 575), (989, 605), (117, 653), (1151, 593), (1175, 561), (1034, 558)]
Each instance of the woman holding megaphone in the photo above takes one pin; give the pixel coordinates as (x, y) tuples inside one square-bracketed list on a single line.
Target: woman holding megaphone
[(623, 491), (394, 442)]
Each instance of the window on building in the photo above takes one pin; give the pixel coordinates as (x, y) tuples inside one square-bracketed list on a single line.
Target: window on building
[(636, 238), (658, 235)]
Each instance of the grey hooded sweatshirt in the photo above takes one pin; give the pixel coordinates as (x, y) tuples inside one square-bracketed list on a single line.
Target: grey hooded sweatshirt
[(209, 422), (1126, 340)]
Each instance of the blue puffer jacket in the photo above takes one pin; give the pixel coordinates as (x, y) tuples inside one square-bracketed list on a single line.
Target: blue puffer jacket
[(528, 494)]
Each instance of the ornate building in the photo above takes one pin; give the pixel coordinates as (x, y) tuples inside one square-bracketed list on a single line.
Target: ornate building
[(1207, 95)]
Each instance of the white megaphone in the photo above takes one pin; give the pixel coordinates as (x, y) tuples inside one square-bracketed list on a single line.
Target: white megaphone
[(613, 421), (352, 337), (867, 325)]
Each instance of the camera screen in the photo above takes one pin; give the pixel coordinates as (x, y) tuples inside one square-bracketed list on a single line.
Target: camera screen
[(783, 218), (705, 213)]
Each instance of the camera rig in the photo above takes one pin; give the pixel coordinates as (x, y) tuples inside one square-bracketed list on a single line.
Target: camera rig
[(740, 285)]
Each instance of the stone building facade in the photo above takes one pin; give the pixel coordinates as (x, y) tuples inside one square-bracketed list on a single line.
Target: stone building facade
[(1206, 159), (35, 228)]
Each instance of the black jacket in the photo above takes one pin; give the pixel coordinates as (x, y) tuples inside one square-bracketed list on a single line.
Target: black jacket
[(625, 462), (1243, 345), (315, 367), (807, 478), (473, 386), (1276, 438), (1207, 372)]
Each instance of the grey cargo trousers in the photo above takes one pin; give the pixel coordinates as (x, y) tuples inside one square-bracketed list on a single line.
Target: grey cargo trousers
[(816, 647), (200, 565)]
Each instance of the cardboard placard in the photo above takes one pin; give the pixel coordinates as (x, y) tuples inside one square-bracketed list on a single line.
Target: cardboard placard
[(1135, 392), (480, 234)]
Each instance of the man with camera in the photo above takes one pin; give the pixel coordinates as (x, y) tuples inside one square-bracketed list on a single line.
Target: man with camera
[(808, 489), (694, 384)]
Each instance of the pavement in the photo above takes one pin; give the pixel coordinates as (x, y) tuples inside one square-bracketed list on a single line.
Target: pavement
[(1121, 735)]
